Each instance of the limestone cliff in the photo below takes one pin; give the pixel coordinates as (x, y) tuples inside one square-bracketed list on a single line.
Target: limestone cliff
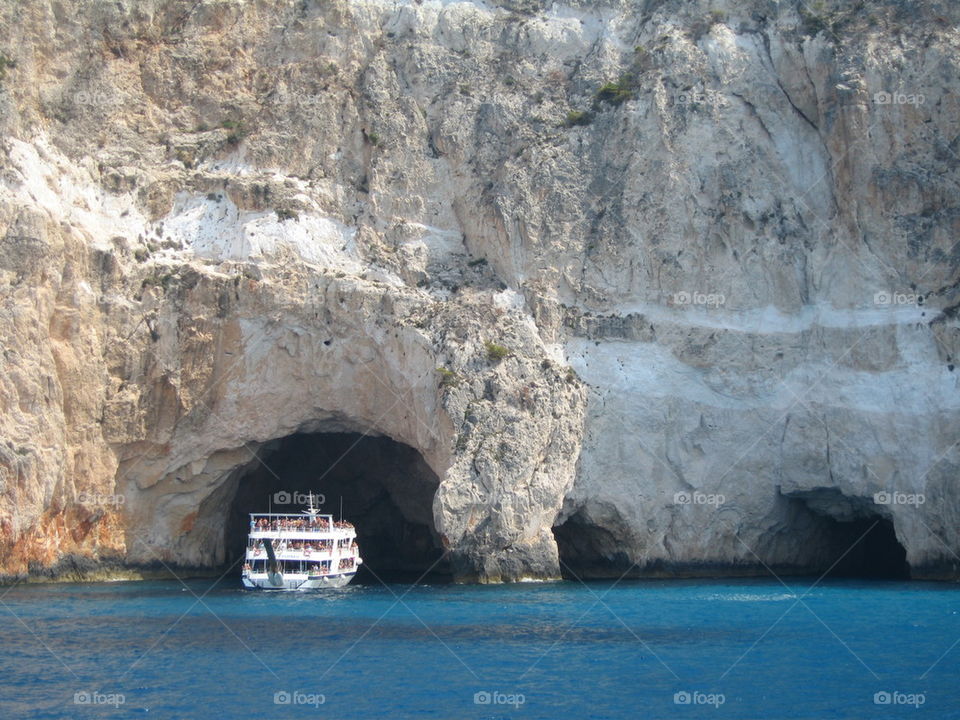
[(673, 284)]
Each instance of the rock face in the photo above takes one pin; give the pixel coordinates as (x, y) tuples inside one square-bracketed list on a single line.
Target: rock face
[(669, 286)]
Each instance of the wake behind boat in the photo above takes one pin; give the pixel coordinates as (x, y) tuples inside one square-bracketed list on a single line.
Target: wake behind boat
[(299, 551)]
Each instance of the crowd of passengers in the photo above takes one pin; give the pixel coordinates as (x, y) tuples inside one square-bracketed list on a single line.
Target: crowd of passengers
[(298, 524), (311, 545)]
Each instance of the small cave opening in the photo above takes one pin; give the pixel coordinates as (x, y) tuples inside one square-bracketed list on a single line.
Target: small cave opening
[(878, 555), (385, 488), (850, 538), (587, 550)]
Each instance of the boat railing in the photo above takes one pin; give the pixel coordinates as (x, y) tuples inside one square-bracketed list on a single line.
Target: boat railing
[(297, 554), (285, 546), (313, 530), (322, 566)]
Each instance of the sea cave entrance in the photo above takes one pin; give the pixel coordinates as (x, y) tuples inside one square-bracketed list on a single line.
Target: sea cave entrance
[(385, 488), (866, 548), (850, 538), (590, 550), (823, 531)]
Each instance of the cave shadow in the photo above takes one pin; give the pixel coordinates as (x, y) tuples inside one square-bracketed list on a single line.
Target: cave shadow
[(872, 550), (861, 545), (383, 487), (847, 537), (587, 550)]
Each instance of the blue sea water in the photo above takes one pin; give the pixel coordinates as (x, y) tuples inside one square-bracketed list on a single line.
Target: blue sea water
[(637, 649)]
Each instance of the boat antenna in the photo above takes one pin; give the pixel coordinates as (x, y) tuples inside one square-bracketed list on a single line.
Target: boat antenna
[(341, 508)]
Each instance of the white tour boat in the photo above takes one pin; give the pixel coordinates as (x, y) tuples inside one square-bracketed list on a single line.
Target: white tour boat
[(299, 551)]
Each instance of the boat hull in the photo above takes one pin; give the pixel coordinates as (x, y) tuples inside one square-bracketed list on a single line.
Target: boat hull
[(296, 582)]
